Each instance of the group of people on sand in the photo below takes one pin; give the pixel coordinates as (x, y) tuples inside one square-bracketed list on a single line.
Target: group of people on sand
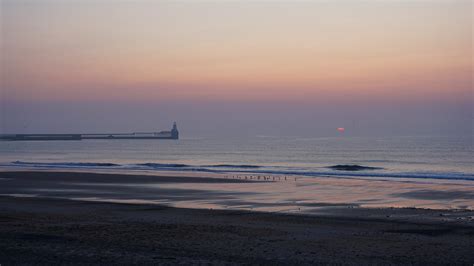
[(258, 177)]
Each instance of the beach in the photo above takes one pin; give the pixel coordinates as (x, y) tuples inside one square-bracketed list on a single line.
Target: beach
[(60, 230), (236, 132)]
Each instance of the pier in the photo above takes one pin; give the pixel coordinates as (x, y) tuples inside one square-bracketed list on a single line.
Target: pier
[(172, 134)]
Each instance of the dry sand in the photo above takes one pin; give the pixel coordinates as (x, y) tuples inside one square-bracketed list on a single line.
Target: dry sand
[(51, 231)]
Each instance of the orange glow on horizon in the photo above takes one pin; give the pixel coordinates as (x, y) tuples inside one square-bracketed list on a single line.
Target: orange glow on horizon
[(238, 51)]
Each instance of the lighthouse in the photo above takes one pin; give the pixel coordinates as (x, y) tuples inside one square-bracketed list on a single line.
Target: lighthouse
[(174, 132)]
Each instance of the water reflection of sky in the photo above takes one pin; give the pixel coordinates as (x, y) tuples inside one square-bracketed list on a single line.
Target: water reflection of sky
[(302, 194)]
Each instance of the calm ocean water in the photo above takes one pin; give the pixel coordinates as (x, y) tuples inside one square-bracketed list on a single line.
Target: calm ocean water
[(424, 172), (397, 157)]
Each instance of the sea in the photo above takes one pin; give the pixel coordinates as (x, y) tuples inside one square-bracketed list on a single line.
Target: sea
[(421, 171)]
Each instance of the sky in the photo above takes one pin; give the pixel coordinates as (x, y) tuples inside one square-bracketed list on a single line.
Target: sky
[(237, 68)]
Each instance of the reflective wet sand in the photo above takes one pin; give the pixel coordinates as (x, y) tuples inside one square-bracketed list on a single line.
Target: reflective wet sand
[(232, 191)]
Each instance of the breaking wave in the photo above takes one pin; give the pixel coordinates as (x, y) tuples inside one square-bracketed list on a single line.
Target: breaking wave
[(163, 165), (65, 164), (352, 167), (339, 171), (233, 166)]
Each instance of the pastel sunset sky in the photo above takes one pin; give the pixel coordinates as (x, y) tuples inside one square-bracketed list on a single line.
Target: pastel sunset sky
[(271, 67)]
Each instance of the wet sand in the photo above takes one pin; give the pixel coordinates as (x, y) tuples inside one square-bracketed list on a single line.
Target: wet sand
[(290, 194), (60, 231)]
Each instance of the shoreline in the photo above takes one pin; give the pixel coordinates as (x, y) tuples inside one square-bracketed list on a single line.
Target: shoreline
[(70, 221), (50, 231), (224, 191), (348, 171)]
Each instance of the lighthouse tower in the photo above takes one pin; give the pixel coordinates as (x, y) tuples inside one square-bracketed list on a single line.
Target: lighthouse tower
[(174, 132)]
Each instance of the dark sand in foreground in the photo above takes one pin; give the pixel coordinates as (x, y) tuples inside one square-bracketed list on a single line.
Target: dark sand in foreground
[(59, 231)]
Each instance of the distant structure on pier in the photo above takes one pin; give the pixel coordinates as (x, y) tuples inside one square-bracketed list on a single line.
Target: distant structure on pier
[(172, 134)]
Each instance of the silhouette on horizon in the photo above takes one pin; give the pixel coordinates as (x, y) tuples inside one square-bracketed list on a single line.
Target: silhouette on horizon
[(173, 134)]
